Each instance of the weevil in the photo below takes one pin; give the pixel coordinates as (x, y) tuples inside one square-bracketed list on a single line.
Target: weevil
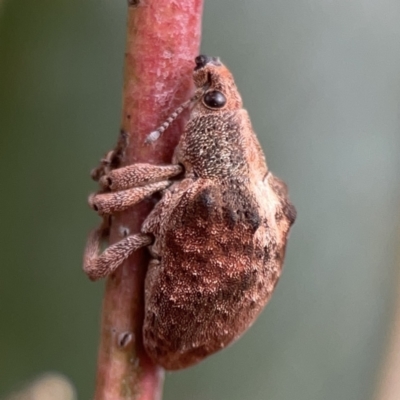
[(217, 236)]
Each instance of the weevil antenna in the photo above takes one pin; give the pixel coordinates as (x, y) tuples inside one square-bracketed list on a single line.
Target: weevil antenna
[(153, 136)]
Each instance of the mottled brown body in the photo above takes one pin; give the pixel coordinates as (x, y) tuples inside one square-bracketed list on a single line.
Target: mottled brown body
[(219, 233)]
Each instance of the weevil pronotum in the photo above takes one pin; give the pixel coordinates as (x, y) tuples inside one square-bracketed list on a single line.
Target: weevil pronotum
[(217, 236)]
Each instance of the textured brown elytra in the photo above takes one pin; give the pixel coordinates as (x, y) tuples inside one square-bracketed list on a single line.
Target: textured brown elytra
[(217, 237)]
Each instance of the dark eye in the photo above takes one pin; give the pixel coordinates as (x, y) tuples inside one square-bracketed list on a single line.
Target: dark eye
[(214, 99)]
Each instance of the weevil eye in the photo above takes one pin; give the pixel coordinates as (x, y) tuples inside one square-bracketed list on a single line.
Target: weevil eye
[(214, 99)]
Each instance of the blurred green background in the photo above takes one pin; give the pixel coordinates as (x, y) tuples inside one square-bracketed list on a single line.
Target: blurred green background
[(321, 80)]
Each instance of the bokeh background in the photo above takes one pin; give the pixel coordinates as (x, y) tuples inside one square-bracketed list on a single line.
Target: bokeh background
[(321, 80)]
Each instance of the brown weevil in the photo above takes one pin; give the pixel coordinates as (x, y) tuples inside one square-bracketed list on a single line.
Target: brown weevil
[(217, 236)]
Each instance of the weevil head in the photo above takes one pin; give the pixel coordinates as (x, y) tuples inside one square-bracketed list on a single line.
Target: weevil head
[(215, 86)]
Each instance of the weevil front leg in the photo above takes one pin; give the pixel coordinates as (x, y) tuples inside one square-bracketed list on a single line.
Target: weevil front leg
[(138, 175), (112, 202), (130, 185), (98, 265)]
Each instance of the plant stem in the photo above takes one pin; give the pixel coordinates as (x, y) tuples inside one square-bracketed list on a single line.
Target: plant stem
[(163, 37)]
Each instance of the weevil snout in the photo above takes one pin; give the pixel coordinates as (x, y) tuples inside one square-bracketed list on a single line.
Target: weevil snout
[(202, 60)]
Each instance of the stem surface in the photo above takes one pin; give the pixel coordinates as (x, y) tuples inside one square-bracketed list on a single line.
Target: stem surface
[(163, 37)]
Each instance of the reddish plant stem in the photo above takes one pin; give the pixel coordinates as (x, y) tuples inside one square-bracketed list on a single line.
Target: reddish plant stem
[(163, 37)]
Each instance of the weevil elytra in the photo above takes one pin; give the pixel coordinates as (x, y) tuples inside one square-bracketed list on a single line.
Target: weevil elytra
[(217, 237)]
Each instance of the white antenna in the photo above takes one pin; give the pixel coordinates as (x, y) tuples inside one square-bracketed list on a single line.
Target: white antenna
[(153, 136)]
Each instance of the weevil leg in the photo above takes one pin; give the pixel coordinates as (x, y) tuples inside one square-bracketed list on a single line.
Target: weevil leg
[(138, 174), (98, 265), (112, 159), (109, 203), (105, 166)]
